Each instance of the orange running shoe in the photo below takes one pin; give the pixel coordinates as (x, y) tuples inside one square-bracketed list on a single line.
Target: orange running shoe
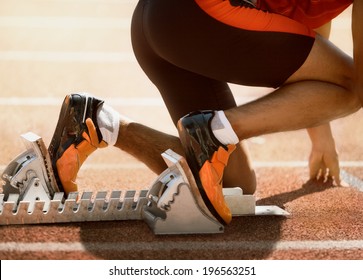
[(76, 136), (207, 158)]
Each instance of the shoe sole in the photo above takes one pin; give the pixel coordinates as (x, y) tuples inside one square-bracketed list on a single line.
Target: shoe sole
[(195, 170), (54, 145)]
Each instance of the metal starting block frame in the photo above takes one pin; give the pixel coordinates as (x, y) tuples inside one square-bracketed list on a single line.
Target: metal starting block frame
[(172, 205)]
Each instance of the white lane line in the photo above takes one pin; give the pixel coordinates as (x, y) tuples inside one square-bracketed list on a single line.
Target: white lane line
[(351, 180), (302, 163), (64, 22), (185, 245), (257, 164), (48, 56)]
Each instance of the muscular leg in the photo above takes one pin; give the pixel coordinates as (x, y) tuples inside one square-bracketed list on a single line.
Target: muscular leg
[(182, 91), (320, 91), (147, 144)]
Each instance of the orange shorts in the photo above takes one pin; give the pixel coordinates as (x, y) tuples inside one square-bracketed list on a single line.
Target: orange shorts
[(312, 13), (290, 16)]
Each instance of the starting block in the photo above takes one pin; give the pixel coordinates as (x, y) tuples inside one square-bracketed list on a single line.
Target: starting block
[(172, 205)]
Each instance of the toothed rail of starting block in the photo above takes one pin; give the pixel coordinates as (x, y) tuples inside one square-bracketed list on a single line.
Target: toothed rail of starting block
[(89, 207)]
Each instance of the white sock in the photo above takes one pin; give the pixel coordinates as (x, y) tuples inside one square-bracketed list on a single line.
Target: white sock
[(109, 123), (223, 130)]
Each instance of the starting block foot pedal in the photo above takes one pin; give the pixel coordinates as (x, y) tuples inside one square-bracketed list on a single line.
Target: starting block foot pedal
[(175, 205)]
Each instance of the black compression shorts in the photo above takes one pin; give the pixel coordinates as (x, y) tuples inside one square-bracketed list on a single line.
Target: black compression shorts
[(191, 53)]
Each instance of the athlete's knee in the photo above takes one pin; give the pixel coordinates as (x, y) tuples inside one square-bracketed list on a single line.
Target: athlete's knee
[(352, 101)]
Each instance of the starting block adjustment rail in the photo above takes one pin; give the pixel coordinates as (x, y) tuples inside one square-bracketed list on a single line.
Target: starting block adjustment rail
[(90, 207)]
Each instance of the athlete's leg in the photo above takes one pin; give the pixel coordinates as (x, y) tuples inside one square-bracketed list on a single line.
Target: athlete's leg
[(312, 96), (182, 91), (320, 91), (323, 158), (237, 51), (147, 144), (316, 91)]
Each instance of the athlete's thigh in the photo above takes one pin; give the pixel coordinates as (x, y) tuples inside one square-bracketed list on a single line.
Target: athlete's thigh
[(183, 91), (247, 47), (326, 63)]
